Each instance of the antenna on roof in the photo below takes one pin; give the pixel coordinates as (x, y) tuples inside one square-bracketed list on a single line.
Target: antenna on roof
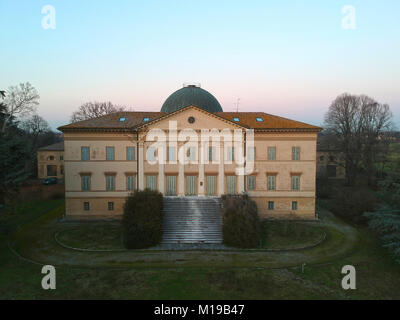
[(237, 104)]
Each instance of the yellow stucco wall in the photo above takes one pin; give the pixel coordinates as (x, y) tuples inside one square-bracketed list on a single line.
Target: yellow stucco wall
[(43, 159), (283, 167)]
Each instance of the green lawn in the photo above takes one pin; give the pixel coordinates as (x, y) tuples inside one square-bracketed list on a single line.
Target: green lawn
[(201, 275)]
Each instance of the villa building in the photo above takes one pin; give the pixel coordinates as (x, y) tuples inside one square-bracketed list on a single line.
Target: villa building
[(51, 161), (109, 157)]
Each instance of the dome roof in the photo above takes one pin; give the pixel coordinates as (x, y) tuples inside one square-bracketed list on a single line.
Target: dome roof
[(191, 95)]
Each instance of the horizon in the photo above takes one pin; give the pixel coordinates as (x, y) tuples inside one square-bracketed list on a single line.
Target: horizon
[(288, 59)]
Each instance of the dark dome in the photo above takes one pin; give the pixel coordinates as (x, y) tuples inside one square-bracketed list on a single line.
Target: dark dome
[(191, 96)]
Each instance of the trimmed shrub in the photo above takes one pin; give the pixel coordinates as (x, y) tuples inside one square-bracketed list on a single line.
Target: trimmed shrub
[(142, 219), (241, 224), (351, 203)]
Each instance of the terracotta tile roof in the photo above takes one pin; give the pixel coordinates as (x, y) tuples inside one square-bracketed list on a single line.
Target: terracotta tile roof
[(269, 121), (134, 119), (113, 121), (59, 146)]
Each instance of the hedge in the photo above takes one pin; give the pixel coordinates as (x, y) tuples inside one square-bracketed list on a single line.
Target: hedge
[(142, 219), (241, 224)]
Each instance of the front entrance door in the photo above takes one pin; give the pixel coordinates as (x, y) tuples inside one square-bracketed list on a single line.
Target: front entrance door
[(191, 184), (211, 185), (171, 185)]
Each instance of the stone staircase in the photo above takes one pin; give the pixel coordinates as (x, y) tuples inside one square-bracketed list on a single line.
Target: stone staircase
[(192, 220)]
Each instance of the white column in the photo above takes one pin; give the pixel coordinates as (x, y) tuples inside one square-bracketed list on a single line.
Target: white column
[(181, 179), (221, 173), (141, 166), (241, 182), (201, 182), (161, 175)]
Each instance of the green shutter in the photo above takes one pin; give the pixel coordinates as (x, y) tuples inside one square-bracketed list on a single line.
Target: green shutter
[(211, 185), (191, 184), (110, 183), (271, 182), (231, 184), (130, 183), (85, 183), (151, 182), (85, 153), (271, 153), (251, 182), (295, 183), (171, 185), (130, 153), (110, 153)]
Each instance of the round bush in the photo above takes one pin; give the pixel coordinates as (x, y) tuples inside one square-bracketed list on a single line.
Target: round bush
[(142, 220), (241, 224)]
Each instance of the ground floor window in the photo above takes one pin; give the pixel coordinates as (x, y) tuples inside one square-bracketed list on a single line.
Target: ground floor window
[(294, 205), (86, 206), (251, 182), (110, 206), (130, 183), (211, 185), (270, 205), (151, 182), (51, 170), (191, 185), (231, 184), (171, 185)]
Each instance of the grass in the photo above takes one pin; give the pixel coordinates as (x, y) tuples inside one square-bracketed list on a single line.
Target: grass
[(239, 277), (97, 236), (289, 235)]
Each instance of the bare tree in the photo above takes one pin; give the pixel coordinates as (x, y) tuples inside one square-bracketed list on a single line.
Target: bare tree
[(357, 124), (20, 101), (35, 126), (91, 110)]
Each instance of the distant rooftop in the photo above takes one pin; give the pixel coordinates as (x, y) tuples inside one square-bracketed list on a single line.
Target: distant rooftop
[(59, 146)]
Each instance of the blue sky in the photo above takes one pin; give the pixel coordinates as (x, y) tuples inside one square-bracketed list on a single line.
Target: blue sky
[(289, 58)]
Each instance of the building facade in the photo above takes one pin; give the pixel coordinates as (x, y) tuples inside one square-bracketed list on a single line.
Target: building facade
[(191, 148), (50, 161)]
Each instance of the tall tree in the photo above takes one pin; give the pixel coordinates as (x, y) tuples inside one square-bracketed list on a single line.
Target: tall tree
[(358, 123), (91, 110), (35, 126), (20, 101)]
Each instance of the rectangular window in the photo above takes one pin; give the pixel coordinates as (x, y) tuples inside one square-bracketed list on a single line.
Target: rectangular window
[(231, 154), (151, 182), (231, 184), (296, 183), (171, 154), (110, 153), (296, 153), (85, 153), (294, 205), (251, 182), (110, 183), (211, 153), (151, 154), (191, 153), (271, 153), (85, 183), (251, 152), (270, 205), (130, 153), (271, 182), (86, 206), (130, 183), (51, 171), (110, 206), (61, 158)]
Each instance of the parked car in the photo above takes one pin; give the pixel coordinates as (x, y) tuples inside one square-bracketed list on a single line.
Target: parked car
[(50, 181)]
